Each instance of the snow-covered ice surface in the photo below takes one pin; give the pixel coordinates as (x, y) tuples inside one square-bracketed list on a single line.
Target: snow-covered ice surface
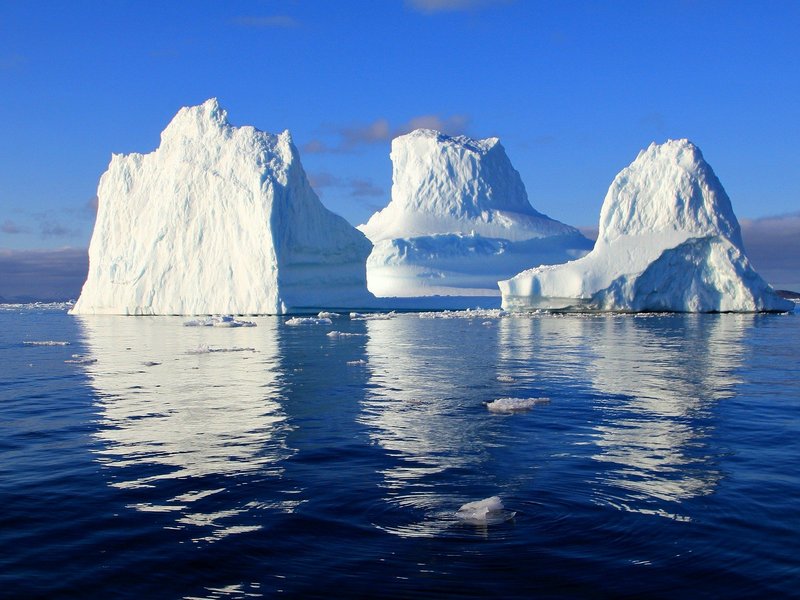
[(668, 241), (489, 511), (458, 221), (218, 220)]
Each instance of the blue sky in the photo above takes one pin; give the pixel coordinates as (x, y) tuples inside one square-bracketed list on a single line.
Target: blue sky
[(573, 89)]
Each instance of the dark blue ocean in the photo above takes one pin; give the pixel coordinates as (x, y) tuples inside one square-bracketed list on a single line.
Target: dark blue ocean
[(147, 459)]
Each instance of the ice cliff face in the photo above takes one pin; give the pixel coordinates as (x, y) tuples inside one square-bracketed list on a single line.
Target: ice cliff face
[(668, 240), (218, 219), (459, 219)]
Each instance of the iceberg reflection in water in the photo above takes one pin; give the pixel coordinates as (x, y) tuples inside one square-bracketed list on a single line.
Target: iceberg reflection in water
[(662, 377), (185, 413), (194, 462)]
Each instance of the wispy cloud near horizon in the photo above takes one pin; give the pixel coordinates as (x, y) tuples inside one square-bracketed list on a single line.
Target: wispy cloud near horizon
[(378, 131), (437, 6)]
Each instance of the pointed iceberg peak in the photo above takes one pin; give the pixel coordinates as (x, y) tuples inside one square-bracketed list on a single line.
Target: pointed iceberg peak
[(668, 188), (195, 121), (669, 241)]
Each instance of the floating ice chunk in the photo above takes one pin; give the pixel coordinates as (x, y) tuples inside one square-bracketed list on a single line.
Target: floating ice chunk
[(46, 343), (328, 315), (510, 405), (220, 321), (309, 321), (354, 316), (356, 363), (505, 379), (488, 511), (344, 334)]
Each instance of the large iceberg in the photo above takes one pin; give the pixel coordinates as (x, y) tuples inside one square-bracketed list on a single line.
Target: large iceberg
[(668, 241), (218, 219), (459, 220)]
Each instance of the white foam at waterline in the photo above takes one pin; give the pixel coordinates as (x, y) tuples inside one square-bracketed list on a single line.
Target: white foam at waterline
[(46, 343), (488, 511), (219, 321), (308, 321), (510, 405)]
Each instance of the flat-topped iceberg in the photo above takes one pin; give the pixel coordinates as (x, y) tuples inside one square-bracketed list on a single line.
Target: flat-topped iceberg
[(218, 220), (668, 241), (459, 219)]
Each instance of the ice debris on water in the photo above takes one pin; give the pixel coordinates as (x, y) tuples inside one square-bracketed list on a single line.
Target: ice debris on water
[(344, 334), (470, 313), (309, 321), (488, 511), (505, 379), (510, 405), (328, 315), (219, 321), (46, 343), (354, 316), (356, 363), (78, 359), (204, 349)]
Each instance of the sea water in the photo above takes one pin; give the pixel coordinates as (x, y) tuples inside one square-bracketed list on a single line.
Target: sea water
[(645, 456)]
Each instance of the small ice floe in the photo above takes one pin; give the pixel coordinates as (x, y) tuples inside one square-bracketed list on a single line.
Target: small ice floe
[(309, 321), (343, 334), (512, 405), (356, 363), (354, 316), (328, 315), (219, 321), (505, 379), (489, 511), (204, 349), (46, 343), (78, 359)]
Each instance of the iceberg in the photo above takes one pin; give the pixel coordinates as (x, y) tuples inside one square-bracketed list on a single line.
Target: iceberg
[(668, 241), (218, 220), (459, 219)]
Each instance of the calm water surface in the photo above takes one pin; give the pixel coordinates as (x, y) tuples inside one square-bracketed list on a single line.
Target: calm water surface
[(146, 459)]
